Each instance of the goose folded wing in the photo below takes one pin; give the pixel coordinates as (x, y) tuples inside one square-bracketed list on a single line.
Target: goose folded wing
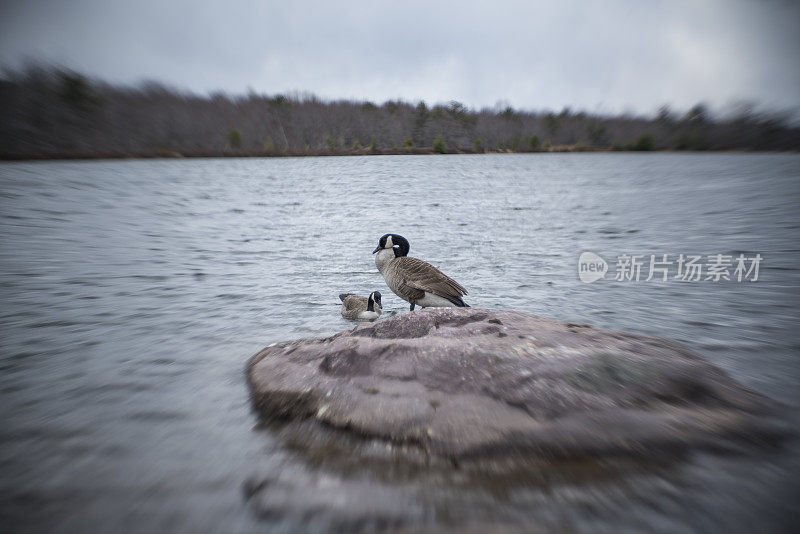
[(354, 301), (422, 276)]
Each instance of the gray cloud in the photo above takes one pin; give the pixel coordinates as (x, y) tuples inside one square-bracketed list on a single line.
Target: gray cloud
[(608, 56)]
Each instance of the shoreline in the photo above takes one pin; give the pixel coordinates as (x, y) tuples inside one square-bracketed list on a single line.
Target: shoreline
[(417, 151)]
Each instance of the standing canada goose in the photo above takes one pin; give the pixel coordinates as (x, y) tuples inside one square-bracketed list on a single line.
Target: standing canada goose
[(413, 280), (355, 307)]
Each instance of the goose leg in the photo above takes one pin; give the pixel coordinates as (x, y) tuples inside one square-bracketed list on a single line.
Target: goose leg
[(412, 306)]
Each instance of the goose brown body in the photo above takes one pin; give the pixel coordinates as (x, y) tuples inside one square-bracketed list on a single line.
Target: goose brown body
[(356, 307)]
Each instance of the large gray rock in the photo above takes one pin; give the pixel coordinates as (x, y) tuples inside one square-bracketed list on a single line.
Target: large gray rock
[(473, 385)]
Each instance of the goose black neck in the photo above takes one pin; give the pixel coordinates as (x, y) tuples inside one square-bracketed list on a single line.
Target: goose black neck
[(401, 246)]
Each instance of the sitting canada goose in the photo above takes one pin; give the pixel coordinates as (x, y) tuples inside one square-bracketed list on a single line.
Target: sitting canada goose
[(414, 280), (355, 307)]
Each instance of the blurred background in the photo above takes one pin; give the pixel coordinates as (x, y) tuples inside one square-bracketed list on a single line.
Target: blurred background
[(136, 284), (92, 78)]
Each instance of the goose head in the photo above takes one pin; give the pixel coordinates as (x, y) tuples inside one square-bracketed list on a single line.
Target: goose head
[(397, 243), (374, 301)]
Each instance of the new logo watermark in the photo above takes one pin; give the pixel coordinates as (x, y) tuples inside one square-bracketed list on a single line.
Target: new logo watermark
[(591, 267), (661, 268)]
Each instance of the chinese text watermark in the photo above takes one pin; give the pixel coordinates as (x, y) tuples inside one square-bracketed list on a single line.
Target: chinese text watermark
[(664, 267)]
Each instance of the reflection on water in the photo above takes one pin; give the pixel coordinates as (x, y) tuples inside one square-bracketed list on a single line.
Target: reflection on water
[(134, 291)]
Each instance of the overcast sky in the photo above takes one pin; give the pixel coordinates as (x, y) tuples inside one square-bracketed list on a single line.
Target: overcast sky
[(606, 56)]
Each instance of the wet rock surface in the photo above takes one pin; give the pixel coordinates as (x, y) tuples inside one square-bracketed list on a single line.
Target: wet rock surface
[(497, 414), (501, 388)]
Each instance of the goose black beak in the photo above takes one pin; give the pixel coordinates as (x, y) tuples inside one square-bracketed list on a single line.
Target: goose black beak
[(377, 249)]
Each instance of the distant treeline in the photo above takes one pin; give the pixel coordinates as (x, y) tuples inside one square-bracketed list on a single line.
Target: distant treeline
[(52, 112)]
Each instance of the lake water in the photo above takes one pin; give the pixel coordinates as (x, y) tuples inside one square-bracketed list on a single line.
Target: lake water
[(133, 293)]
